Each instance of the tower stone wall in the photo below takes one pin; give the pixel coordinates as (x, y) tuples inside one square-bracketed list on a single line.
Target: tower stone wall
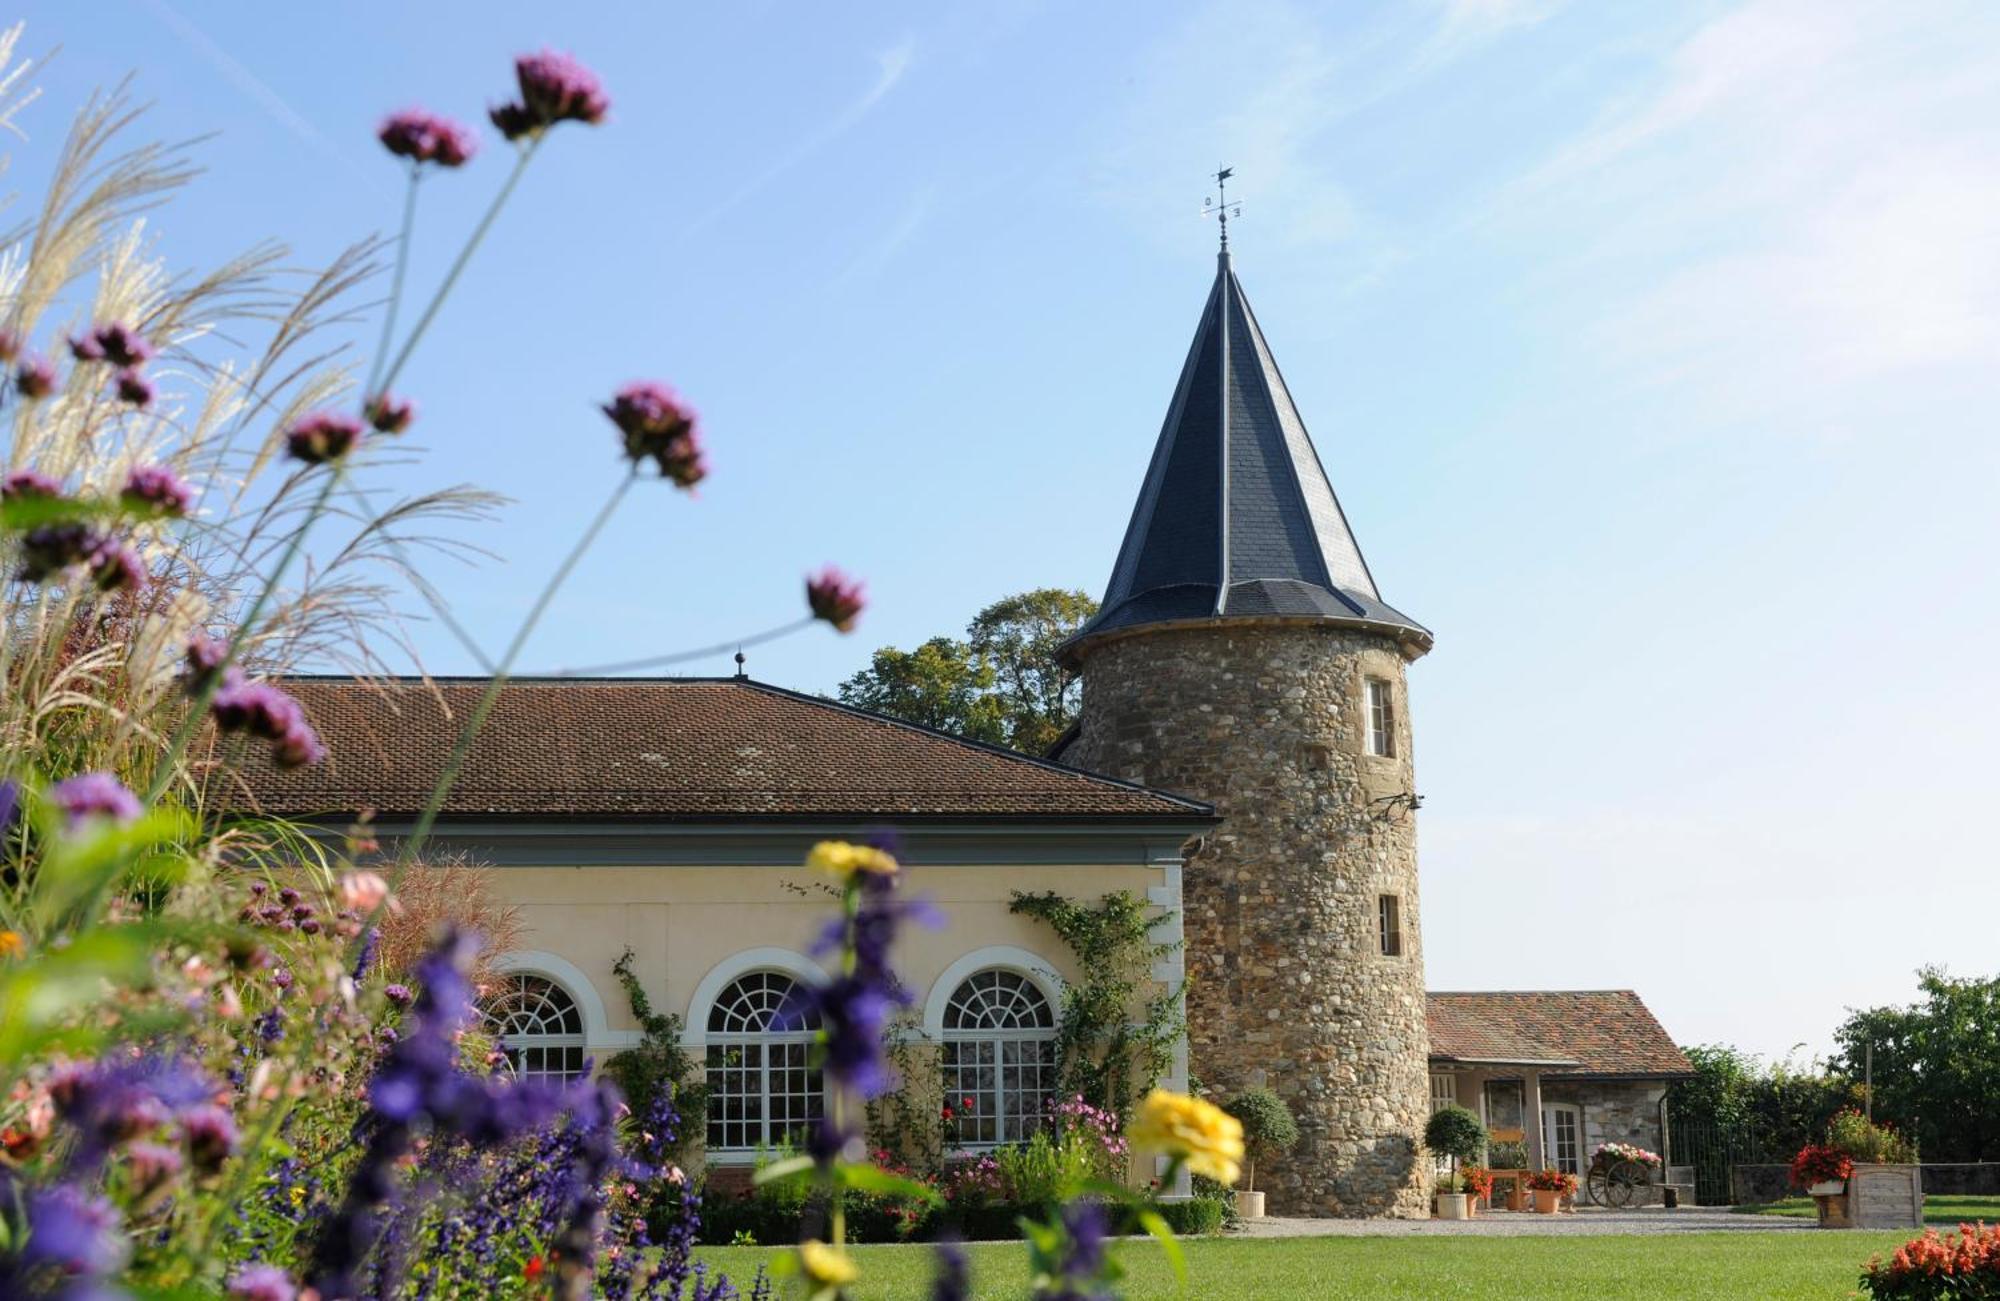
[(1288, 985)]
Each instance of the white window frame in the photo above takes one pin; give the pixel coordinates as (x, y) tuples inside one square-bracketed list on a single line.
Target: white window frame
[(1389, 925), (1013, 1122), (1446, 1096), (791, 1048), (1378, 699), (543, 1044)]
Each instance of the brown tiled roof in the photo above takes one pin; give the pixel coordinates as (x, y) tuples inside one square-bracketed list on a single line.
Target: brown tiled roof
[(1586, 1032), (686, 749)]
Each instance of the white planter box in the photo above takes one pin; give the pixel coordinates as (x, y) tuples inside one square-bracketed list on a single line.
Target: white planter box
[(1827, 1188), (1249, 1206), (1454, 1206)]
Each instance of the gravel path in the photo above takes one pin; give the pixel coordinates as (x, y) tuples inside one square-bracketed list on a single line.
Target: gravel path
[(1509, 1224)]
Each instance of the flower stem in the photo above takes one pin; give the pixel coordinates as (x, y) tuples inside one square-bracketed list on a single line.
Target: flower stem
[(458, 265), (198, 709), (369, 393), (414, 843), (678, 657)]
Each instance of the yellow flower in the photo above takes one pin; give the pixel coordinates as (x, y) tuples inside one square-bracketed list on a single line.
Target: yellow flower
[(11, 944), (1200, 1133), (828, 1269), (839, 859)]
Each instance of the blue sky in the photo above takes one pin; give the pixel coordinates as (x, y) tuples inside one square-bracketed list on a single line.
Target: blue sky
[(1652, 350)]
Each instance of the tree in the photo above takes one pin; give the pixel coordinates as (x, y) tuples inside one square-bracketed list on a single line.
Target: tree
[(1937, 1064), (1001, 684), (1455, 1132), (1268, 1128)]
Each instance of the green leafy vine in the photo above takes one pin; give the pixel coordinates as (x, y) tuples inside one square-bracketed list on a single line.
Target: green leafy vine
[(1114, 1041), (659, 1062)]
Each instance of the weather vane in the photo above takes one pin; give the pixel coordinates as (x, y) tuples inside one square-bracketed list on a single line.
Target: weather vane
[(1221, 207)]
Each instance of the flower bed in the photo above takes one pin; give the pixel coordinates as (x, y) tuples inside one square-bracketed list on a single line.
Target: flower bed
[(1962, 1266)]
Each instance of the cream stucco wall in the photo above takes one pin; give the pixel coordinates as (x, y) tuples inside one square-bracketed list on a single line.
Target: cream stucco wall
[(683, 922)]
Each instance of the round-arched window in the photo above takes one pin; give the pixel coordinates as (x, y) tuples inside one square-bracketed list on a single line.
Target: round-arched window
[(538, 1027), (998, 1058), (762, 1088)]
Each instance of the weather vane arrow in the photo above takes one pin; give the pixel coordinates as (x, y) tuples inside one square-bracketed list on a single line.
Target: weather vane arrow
[(1222, 207)]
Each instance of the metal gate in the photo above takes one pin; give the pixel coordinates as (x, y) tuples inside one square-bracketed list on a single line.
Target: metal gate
[(1711, 1149)]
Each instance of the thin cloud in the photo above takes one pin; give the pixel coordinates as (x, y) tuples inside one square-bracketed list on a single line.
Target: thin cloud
[(872, 259), (254, 88), (890, 66)]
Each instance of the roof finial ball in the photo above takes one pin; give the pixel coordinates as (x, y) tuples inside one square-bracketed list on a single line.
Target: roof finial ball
[(1244, 655), (741, 672)]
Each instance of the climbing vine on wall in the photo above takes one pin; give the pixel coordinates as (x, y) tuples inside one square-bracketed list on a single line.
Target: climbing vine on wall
[(659, 1062), (1113, 1041)]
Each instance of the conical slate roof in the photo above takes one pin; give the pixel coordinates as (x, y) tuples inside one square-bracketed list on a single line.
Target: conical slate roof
[(1236, 519)]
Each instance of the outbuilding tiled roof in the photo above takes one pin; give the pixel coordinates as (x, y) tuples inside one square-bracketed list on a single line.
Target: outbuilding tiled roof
[(668, 749), (1591, 1032)]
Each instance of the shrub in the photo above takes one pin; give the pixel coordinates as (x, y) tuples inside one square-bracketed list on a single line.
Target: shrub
[(1268, 1128), (1455, 1132), (1196, 1215), (1869, 1142), (1962, 1267)]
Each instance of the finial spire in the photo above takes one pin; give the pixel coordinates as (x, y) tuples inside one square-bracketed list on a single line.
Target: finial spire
[(1220, 207)]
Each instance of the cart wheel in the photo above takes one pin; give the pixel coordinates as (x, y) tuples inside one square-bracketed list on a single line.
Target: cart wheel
[(1596, 1184), (1624, 1177)]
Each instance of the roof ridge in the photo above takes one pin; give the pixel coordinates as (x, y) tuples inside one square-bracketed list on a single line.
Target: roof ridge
[(999, 750)]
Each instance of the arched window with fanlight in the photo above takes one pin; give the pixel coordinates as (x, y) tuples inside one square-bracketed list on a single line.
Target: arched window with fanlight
[(762, 1088), (998, 1058), (537, 1025)]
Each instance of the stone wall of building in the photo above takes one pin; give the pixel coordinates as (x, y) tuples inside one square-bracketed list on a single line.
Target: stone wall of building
[(1614, 1111), (1287, 982)]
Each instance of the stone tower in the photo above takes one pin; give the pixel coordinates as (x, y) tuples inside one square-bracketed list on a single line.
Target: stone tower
[(1244, 656)]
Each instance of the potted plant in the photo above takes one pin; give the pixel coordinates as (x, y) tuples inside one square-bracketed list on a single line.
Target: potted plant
[(1550, 1186), (1454, 1199), (1821, 1170), (1456, 1133), (1478, 1184), (1268, 1131)]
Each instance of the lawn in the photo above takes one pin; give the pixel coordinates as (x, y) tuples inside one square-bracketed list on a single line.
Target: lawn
[(1680, 1266), (1937, 1210)]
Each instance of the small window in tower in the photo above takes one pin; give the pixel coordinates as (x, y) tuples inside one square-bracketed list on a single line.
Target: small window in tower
[(1381, 718), (1390, 911)]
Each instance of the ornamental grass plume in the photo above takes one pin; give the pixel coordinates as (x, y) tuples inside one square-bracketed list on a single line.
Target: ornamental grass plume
[(1191, 1132)]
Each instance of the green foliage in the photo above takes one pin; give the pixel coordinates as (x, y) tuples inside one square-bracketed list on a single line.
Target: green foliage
[(1508, 1156), (908, 1122), (1111, 1045), (1937, 1064), (1774, 1105), (658, 1064), (1864, 1140), (1455, 1132), (1001, 685), (1197, 1217), (1268, 1128)]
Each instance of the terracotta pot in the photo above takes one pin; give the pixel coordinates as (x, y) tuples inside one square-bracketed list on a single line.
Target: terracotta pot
[(1453, 1206), (1547, 1200), (1249, 1206)]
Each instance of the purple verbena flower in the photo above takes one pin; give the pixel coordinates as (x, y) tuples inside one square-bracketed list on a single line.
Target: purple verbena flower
[(425, 137), (51, 548), (157, 488), (94, 794), (658, 423), (390, 414), (264, 711), (29, 485), (34, 377), (151, 1168), (262, 1283), (201, 662), (114, 565), (323, 436), (398, 995), (210, 1134), (134, 387), (116, 343), (554, 88), (835, 598)]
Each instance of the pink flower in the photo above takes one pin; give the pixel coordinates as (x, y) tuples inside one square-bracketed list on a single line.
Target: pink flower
[(323, 436), (116, 343), (157, 488), (554, 88), (35, 377), (390, 414), (837, 599), (134, 387), (25, 484), (658, 423), (364, 892), (425, 137)]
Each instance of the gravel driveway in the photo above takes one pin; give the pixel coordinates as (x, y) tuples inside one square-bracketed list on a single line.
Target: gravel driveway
[(1504, 1224)]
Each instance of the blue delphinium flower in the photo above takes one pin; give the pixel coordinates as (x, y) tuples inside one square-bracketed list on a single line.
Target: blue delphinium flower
[(1080, 1274), (953, 1280), (852, 1011)]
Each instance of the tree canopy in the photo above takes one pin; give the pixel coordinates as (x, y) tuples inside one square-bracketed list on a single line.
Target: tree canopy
[(1000, 684), (1937, 1064)]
